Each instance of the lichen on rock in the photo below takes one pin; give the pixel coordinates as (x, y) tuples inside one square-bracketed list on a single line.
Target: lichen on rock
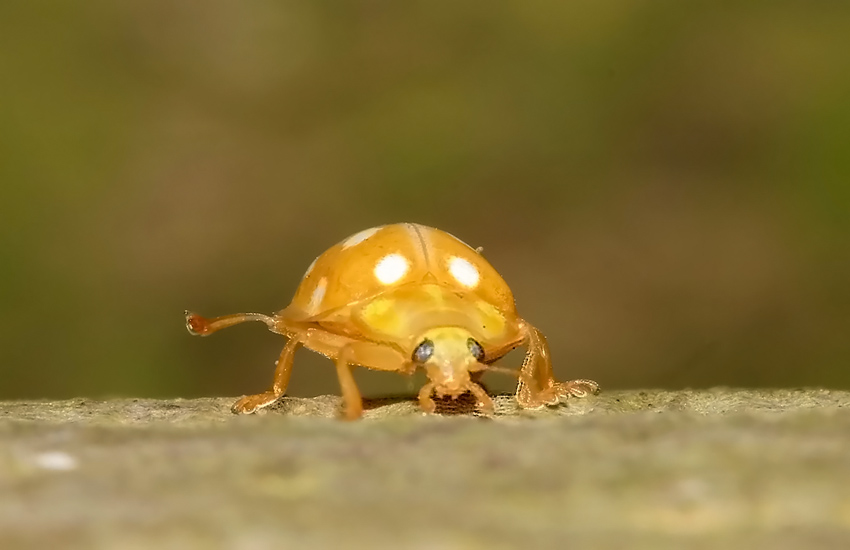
[(644, 469)]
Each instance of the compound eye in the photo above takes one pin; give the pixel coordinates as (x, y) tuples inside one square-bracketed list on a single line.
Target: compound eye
[(475, 349), (423, 351)]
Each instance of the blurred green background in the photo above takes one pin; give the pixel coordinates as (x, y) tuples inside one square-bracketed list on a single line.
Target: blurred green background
[(665, 185)]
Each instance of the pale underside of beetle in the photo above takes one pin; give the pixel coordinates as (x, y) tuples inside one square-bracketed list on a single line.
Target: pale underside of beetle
[(401, 297)]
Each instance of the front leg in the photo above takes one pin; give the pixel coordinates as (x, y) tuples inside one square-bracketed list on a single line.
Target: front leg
[(537, 385), (369, 355), (484, 402), (426, 401)]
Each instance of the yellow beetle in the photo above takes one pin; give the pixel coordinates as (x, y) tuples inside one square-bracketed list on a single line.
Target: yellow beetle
[(399, 297)]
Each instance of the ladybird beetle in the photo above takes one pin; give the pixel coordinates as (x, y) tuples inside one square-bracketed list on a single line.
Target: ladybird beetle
[(400, 297)]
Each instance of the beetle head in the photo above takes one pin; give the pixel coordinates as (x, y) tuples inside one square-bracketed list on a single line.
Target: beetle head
[(448, 355)]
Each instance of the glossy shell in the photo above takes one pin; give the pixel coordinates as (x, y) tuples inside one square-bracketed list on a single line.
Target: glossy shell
[(395, 280)]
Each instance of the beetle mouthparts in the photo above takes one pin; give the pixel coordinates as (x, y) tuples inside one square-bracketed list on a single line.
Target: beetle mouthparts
[(452, 390)]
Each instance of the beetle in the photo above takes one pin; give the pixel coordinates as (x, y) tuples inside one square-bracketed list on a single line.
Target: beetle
[(401, 297)]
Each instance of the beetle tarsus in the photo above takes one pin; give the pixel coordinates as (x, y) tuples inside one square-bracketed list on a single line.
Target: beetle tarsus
[(253, 403), (581, 387), (559, 391), (195, 324)]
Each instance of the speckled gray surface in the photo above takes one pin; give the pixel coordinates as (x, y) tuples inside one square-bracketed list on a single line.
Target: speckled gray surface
[(649, 469)]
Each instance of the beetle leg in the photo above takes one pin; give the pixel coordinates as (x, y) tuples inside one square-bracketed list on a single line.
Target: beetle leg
[(253, 403), (425, 399), (350, 392), (366, 354), (537, 385), (581, 387), (536, 372), (485, 402)]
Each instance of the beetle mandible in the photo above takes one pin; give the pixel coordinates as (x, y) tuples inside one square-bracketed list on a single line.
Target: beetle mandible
[(401, 297)]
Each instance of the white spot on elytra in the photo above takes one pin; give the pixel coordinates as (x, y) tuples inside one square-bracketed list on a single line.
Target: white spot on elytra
[(358, 238), (463, 271), (317, 296), (391, 268), (55, 460)]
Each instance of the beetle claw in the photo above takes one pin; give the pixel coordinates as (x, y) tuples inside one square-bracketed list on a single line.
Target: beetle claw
[(581, 387), (560, 391)]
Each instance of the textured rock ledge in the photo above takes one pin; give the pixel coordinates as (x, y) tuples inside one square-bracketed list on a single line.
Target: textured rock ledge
[(640, 469)]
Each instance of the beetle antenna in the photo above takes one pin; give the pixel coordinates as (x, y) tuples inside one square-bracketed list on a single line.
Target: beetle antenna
[(503, 370), (201, 326)]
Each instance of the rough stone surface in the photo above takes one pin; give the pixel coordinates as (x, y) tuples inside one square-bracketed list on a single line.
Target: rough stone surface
[(641, 469)]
